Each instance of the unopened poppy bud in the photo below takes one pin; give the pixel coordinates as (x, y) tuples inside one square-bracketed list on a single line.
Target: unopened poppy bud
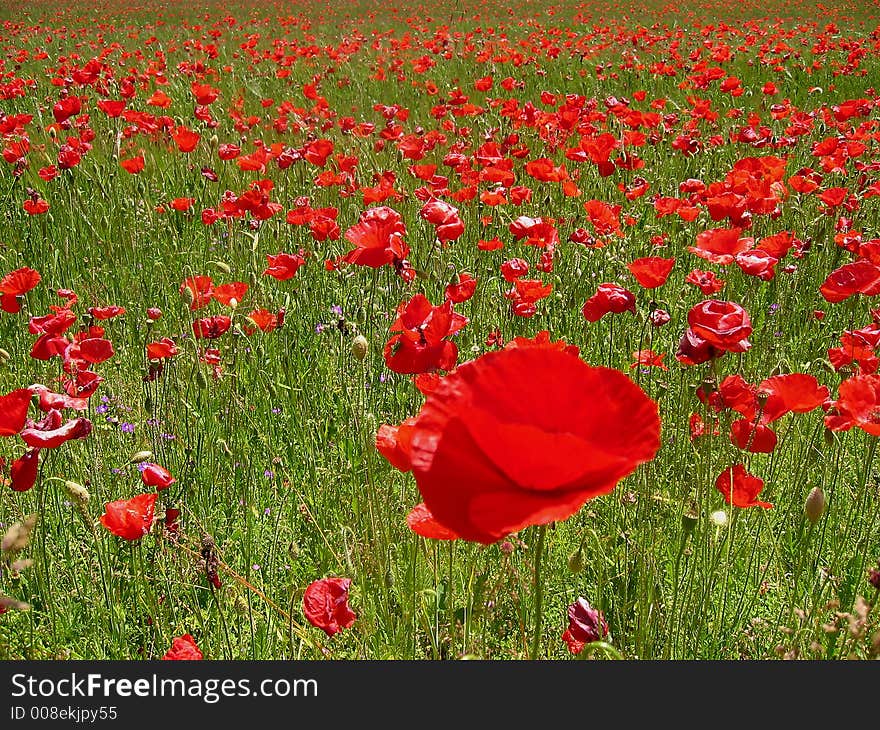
[(389, 579), (4, 356), (214, 141), (360, 347), (141, 456), (78, 494), (689, 521), (201, 379), (815, 505), (576, 561)]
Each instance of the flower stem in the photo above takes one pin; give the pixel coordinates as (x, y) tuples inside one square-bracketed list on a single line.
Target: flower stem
[(538, 593)]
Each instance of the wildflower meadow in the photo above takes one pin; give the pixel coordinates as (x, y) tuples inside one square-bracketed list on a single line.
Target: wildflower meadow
[(450, 330)]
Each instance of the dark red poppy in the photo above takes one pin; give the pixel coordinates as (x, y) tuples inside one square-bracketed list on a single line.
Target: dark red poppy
[(609, 298), (13, 411), (694, 350), (211, 328), (325, 604), (585, 626), (857, 404), (525, 436), (183, 648), (422, 522), (740, 488), (724, 325), (23, 471), (130, 519), (652, 271), (153, 475)]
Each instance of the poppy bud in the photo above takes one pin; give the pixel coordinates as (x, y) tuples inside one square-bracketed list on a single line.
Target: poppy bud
[(201, 379), (389, 579), (689, 521), (78, 494), (576, 561), (360, 347), (4, 356), (214, 141), (815, 505), (141, 456)]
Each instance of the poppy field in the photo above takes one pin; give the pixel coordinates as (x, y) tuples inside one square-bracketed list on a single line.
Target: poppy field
[(367, 330)]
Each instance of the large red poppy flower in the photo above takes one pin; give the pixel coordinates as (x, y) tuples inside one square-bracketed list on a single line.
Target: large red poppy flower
[(740, 488), (378, 238), (130, 519), (856, 277), (183, 648), (857, 404), (325, 604), (585, 625), (23, 471), (525, 436), (724, 325)]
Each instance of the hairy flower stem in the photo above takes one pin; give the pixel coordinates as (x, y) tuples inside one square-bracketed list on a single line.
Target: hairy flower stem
[(538, 593)]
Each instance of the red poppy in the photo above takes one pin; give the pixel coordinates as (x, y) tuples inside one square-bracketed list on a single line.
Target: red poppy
[(755, 438), (609, 298), (514, 269), (525, 436), (585, 625), (422, 522), (724, 325), (857, 404), (648, 359), (740, 488), (462, 288), (13, 411), (444, 217), (153, 475), (378, 238), (283, 266), (110, 312), (163, 349), (856, 277), (23, 471), (183, 648), (263, 320), (421, 345), (15, 284), (720, 245), (226, 294), (133, 165), (394, 443), (199, 289), (652, 271), (185, 138), (325, 604), (791, 393), (210, 328), (705, 281), (50, 433), (130, 519)]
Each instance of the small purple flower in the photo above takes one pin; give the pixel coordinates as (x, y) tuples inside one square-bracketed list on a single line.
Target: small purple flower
[(319, 328), (337, 310), (126, 427), (268, 473)]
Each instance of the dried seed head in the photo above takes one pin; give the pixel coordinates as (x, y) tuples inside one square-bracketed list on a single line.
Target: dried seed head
[(141, 456), (4, 356), (360, 347), (79, 495), (17, 537), (815, 505)]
